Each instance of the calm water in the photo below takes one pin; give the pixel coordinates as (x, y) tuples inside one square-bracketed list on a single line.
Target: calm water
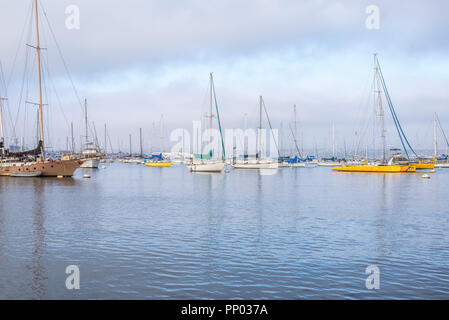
[(138, 232)]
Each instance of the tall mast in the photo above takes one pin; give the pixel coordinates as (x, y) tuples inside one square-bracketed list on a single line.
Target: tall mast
[(2, 133), (210, 106), (73, 141), (161, 131), (182, 150), (435, 142), (140, 138), (333, 139), (105, 139), (41, 117), (85, 119), (259, 142), (96, 137), (282, 138), (130, 146), (294, 118), (381, 110)]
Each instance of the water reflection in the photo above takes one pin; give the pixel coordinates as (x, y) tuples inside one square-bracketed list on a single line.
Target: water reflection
[(39, 278)]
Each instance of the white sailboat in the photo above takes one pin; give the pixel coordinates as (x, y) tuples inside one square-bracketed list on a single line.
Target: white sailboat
[(90, 154), (210, 165), (257, 163)]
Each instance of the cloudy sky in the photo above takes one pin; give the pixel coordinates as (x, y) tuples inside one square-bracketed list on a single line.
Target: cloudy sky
[(135, 60)]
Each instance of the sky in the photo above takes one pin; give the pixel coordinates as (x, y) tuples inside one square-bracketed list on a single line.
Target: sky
[(136, 60)]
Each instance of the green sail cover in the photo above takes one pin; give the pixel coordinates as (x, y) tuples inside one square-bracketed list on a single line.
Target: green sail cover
[(206, 156)]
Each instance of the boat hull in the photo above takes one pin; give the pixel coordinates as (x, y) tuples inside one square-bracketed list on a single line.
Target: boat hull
[(382, 169), (158, 164), (90, 163), (423, 165), (65, 168), (329, 164), (267, 165), (442, 165), (206, 167)]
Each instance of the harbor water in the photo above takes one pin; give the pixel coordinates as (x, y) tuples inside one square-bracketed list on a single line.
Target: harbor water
[(165, 233)]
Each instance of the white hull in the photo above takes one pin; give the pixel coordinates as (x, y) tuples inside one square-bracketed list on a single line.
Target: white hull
[(329, 164), (206, 167), (441, 165), (90, 163), (293, 165), (261, 165)]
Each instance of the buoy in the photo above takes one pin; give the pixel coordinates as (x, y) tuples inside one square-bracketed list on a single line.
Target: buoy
[(227, 170), (103, 167), (425, 176), (60, 177), (86, 176)]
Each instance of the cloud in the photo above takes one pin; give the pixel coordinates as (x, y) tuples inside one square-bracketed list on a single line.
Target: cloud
[(135, 60)]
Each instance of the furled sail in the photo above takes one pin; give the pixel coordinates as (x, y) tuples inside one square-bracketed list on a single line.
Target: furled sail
[(33, 152)]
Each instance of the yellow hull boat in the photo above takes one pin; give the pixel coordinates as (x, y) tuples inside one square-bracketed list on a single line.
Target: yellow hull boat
[(379, 168), (159, 164), (424, 165)]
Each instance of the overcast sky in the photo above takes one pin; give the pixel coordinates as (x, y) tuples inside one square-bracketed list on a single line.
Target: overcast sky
[(135, 60)]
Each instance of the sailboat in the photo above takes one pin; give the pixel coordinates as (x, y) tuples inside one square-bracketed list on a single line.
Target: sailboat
[(257, 163), (207, 164), (295, 161), (32, 163), (391, 166), (158, 159), (332, 161), (90, 153), (443, 160)]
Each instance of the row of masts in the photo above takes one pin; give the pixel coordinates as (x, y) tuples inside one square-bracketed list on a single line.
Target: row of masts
[(210, 116)]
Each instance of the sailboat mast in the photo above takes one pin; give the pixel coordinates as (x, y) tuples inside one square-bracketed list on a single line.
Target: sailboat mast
[(161, 128), (259, 140), (140, 139), (282, 138), (210, 106), (333, 139), (2, 134), (73, 141), (381, 110), (435, 141), (105, 140), (294, 119), (39, 77), (85, 119)]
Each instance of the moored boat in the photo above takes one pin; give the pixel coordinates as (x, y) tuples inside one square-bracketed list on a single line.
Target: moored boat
[(376, 168), (209, 164), (397, 163), (159, 164), (32, 162)]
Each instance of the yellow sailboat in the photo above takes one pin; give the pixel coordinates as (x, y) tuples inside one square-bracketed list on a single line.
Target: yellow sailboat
[(376, 168), (420, 165), (159, 164), (383, 166)]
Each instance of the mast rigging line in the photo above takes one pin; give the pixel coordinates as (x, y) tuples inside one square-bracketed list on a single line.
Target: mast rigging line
[(294, 139), (27, 22), (401, 133), (442, 131), (62, 57), (218, 118), (271, 128)]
